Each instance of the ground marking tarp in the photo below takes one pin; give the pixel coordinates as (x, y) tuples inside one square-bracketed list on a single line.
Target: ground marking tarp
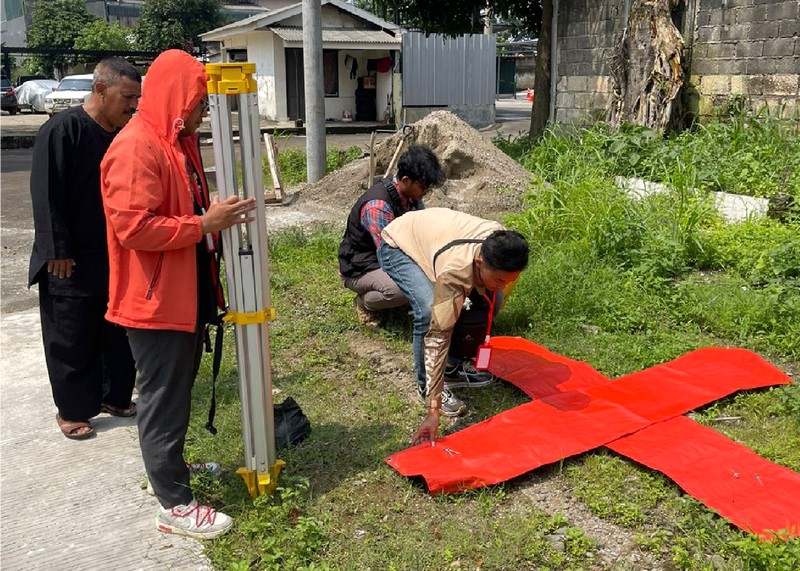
[(638, 415)]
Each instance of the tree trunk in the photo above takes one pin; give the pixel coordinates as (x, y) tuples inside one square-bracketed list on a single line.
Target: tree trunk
[(646, 71), (540, 111)]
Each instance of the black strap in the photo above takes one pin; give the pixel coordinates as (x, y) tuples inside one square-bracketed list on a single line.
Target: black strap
[(217, 363), (454, 243)]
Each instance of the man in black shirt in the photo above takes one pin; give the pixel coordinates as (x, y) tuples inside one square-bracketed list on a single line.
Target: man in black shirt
[(88, 359)]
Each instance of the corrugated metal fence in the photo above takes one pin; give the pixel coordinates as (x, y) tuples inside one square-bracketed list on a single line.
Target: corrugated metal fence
[(439, 70)]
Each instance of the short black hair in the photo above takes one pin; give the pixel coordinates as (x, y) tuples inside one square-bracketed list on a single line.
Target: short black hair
[(506, 250), (420, 164), (110, 69)]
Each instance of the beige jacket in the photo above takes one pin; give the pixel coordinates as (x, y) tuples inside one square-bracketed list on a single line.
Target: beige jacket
[(420, 235)]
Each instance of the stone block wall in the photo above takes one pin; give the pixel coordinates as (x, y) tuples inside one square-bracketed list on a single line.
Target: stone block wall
[(744, 48), (587, 32), (750, 49)]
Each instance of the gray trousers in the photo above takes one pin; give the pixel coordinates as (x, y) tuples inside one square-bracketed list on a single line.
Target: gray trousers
[(167, 363), (376, 291)]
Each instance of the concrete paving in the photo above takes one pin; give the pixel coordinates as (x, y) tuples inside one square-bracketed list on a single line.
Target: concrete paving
[(71, 504), (76, 505)]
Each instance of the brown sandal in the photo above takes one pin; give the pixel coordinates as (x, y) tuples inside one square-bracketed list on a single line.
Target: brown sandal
[(117, 411), (71, 428)]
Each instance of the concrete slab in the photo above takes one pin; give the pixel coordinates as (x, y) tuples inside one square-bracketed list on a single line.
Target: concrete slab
[(68, 504), (732, 207)]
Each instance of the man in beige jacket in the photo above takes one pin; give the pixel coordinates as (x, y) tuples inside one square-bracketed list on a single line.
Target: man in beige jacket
[(438, 258)]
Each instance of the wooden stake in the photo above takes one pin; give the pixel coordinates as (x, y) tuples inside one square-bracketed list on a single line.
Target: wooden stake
[(276, 194), (371, 180)]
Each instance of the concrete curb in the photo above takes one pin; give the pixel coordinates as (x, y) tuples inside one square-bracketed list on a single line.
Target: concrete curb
[(17, 141)]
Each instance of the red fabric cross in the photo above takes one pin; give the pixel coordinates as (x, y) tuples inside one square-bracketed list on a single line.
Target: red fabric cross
[(577, 409)]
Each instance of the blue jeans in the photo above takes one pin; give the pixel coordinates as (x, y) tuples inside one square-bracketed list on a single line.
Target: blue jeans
[(418, 289)]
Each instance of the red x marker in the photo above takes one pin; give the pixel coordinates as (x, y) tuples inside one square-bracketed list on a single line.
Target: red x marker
[(638, 415)]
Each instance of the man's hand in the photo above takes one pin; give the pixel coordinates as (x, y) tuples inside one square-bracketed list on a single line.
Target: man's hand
[(60, 268), (429, 429), (225, 214)]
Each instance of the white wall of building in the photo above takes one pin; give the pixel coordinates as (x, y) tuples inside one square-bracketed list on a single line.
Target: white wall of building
[(281, 112), (261, 50), (267, 51)]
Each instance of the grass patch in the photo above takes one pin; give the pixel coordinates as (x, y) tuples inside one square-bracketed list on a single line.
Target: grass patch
[(736, 155), (292, 163), (618, 284)]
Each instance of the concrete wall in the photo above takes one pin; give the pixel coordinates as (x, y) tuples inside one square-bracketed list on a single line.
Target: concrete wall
[(261, 51), (748, 48), (587, 33)]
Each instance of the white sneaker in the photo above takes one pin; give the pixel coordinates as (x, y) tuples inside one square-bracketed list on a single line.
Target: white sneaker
[(214, 469), (194, 520)]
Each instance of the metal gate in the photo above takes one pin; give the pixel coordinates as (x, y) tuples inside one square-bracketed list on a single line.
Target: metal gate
[(439, 71), (506, 75)]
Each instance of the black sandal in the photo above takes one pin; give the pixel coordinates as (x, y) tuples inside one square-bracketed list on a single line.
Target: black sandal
[(117, 411)]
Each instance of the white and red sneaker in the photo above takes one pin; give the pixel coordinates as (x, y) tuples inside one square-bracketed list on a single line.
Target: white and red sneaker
[(194, 520)]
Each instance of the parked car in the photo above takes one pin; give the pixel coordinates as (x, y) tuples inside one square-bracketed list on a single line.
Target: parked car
[(23, 78), (31, 94), (73, 90), (9, 97)]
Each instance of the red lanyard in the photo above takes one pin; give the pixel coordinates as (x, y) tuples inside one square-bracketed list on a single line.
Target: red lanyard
[(491, 316)]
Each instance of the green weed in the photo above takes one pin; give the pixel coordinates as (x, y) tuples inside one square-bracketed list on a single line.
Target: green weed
[(292, 163), (735, 155)]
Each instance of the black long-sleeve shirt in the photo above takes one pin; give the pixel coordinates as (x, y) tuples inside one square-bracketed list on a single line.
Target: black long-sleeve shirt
[(67, 205)]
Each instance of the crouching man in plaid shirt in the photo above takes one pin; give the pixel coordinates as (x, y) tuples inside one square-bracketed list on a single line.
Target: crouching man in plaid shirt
[(418, 170)]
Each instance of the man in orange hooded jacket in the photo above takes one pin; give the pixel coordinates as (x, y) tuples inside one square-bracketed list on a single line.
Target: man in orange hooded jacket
[(163, 283)]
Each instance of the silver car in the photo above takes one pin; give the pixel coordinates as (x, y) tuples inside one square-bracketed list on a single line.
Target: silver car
[(31, 94)]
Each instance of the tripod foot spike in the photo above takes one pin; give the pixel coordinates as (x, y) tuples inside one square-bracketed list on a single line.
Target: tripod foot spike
[(259, 483)]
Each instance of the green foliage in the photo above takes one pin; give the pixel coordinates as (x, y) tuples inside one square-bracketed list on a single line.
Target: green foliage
[(458, 16), (56, 24), (761, 250), (100, 35), (292, 163), (274, 532), (166, 24), (743, 155)]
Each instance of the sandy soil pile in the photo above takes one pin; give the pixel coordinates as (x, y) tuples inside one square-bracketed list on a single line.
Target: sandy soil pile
[(481, 179)]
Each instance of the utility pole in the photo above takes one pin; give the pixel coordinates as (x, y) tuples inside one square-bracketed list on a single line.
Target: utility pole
[(314, 89)]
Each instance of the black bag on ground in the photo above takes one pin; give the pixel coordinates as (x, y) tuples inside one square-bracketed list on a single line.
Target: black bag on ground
[(470, 329), (291, 425)]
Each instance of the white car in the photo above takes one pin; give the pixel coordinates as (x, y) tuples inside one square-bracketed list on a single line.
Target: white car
[(73, 90)]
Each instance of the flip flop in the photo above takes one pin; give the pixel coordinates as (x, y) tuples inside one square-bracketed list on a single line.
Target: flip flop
[(117, 411), (70, 428)]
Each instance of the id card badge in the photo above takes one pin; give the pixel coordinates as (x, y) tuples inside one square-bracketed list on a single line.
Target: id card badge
[(484, 354)]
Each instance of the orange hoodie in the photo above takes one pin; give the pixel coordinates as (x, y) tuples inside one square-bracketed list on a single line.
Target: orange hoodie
[(152, 229)]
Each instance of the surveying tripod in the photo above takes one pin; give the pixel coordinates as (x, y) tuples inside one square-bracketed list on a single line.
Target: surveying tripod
[(245, 251)]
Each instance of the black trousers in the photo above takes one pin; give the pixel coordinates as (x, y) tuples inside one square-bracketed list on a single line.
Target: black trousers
[(88, 359), (167, 362)]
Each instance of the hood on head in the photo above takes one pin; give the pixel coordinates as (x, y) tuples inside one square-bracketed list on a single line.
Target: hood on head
[(176, 82)]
